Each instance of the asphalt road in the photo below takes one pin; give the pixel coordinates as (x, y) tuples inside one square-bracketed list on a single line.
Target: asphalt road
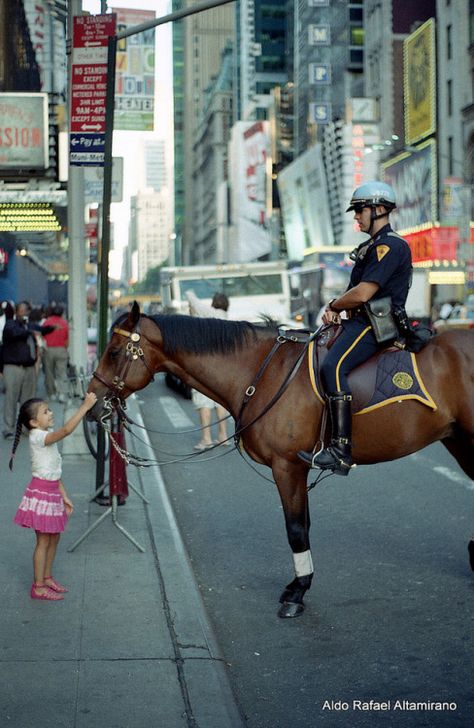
[(389, 616)]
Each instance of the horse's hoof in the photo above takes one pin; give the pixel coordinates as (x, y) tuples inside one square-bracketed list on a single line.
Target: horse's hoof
[(288, 610), (470, 548)]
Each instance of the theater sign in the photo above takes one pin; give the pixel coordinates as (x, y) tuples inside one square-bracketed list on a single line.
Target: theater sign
[(23, 131)]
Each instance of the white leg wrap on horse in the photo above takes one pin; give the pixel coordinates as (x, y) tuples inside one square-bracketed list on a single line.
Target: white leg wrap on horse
[(303, 563)]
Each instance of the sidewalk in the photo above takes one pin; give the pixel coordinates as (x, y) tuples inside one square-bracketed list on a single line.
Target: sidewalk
[(131, 645)]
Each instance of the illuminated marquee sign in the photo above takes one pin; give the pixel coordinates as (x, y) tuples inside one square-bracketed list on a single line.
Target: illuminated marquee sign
[(32, 216)]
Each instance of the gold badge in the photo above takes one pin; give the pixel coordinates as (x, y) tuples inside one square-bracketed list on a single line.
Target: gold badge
[(381, 251), (402, 380)]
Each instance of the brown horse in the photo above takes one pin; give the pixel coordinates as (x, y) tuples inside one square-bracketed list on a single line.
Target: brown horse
[(223, 360)]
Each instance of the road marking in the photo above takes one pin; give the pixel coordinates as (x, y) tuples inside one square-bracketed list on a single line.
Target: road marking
[(175, 413), (443, 470), (455, 477)]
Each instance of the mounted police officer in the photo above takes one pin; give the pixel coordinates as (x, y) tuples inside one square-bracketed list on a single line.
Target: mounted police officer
[(379, 282)]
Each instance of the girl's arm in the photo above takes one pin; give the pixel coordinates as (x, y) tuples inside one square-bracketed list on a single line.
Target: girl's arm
[(69, 426), (67, 502)]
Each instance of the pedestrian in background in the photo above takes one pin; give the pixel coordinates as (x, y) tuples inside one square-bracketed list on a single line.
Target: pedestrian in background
[(36, 319), (55, 354), (45, 505), (19, 358), (204, 404), (7, 312)]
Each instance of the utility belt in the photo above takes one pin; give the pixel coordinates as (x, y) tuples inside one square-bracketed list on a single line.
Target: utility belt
[(378, 313)]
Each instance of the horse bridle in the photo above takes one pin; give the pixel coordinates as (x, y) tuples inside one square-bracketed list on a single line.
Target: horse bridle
[(133, 352)]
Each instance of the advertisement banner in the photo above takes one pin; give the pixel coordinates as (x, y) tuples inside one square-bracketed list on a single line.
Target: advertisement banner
[(135, 75), (420, 83), (414, 179), (24, 131), (250, 165), (94, 182), (304, 203), (49, 44)]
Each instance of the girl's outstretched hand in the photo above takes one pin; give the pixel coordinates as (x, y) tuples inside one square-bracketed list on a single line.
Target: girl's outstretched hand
[(89, 400)]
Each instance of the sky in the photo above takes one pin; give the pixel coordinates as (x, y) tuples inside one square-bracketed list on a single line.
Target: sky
[(125, 143)]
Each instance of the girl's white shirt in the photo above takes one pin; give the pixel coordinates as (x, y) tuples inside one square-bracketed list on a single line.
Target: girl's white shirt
[(46, 460)]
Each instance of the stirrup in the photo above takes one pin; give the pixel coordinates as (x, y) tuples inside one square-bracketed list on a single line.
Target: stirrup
[(338, 466)]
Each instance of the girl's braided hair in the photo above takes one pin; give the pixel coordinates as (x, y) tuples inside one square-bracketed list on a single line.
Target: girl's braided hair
[(28, 411)]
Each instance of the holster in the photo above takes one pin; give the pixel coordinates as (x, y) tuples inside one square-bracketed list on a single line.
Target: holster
[(379, 313)]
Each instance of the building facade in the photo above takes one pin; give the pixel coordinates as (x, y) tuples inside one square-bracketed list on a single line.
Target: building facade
[(262, 55), (150, 231), (198, 42), (328, 64), (210, 174)]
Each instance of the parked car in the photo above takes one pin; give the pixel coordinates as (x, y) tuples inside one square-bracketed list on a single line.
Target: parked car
[(461, 317)]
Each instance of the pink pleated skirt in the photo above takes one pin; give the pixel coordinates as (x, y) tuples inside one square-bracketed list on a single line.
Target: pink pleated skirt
[(42, 507)]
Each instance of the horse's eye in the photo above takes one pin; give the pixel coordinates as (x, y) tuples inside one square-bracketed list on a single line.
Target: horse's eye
[(113, 353)]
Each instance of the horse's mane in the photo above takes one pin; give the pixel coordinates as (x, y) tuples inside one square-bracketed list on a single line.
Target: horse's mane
[(204, 335)]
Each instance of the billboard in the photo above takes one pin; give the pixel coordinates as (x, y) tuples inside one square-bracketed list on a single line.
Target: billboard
[(420, 83), (94, 182), (48, 39), (250, 170), (23, 131), (414, 178), (135, 73), (304, 203)]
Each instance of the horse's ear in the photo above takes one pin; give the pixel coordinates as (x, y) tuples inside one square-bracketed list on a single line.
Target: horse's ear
[(134, 313)]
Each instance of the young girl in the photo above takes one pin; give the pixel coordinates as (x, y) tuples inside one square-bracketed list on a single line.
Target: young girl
[(45, 505)]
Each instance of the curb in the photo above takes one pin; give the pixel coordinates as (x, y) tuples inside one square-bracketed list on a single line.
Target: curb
[(205, 685)]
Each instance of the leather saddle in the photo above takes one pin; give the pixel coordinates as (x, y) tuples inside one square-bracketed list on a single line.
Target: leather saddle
[(390, 375)]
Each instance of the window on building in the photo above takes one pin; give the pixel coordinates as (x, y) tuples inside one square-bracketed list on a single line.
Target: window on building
[(449, 94), (357, 36), (449, 42), (355, 15), (450, 156), (356, 56)]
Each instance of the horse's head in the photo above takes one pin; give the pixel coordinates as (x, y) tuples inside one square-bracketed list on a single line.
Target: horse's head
[(127, 364)]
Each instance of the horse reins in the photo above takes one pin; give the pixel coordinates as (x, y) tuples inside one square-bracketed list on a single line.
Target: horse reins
[(134, 352), (250, 391)]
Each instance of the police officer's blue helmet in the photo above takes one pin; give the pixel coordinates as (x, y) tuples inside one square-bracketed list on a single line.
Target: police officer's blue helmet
[(371, 194)]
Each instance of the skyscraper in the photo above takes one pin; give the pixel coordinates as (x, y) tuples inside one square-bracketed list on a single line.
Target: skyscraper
[(197, 45)]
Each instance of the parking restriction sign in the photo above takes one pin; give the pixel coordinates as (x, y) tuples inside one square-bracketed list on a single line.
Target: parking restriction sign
[(89, 88)]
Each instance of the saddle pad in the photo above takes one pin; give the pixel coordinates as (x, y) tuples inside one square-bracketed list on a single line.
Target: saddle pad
[(397, 378)]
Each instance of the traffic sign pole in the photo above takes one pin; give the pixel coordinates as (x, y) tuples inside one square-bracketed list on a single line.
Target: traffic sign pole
[(77, 310)]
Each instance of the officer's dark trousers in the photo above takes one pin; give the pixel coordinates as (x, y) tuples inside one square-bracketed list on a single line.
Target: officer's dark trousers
[(352, 347)]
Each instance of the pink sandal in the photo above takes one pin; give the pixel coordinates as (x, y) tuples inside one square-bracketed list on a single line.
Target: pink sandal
[(49, 595), (59, 588)]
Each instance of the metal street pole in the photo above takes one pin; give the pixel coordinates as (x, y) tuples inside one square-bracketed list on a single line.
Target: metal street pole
[(77, 308)]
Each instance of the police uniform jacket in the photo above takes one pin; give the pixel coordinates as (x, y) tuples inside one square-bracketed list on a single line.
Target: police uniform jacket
[(385, 260)]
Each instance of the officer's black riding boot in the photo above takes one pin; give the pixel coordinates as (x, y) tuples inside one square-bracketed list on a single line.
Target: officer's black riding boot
[(337, 456)]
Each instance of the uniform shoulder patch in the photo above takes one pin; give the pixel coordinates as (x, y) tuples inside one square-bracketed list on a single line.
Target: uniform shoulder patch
[(381, 251)]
